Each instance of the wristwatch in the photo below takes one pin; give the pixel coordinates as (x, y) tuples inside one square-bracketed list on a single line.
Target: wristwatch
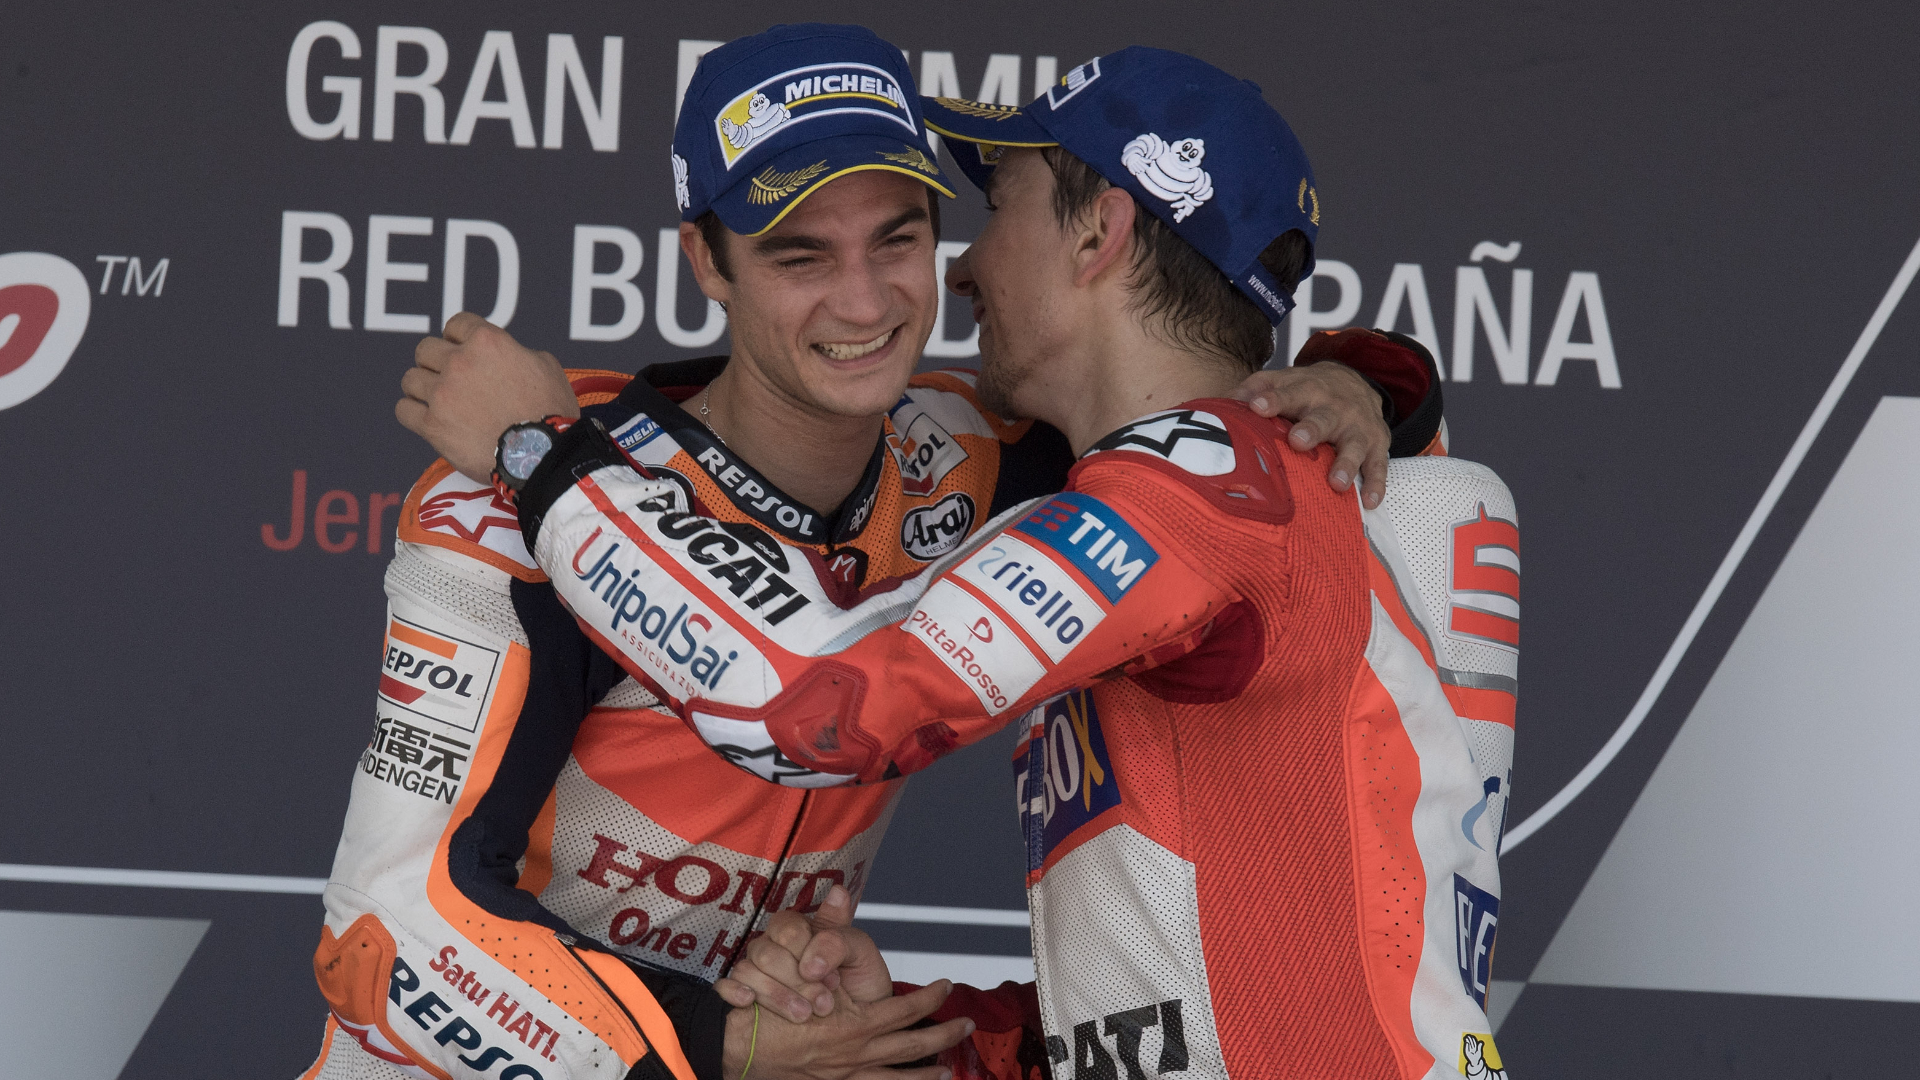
[(521, 449)]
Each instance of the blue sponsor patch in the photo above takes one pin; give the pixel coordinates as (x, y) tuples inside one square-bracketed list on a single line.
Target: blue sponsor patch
[(1065, 777), (636, 433), (1476, 918), (1095, 539)]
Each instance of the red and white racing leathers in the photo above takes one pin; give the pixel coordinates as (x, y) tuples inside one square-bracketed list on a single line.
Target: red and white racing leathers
[(1265, 839)]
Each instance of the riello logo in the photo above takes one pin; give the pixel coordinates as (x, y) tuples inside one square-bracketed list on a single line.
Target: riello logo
[(44, 306)]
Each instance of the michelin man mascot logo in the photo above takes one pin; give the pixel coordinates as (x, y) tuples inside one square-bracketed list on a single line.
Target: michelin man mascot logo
[(681, 195), (1171, 171), (763, 116), (1473, 1051)]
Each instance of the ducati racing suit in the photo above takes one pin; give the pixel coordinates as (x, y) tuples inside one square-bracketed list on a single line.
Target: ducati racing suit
[(1261, 804)]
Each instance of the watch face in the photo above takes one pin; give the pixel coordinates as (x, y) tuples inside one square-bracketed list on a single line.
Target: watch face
[(521, 449)]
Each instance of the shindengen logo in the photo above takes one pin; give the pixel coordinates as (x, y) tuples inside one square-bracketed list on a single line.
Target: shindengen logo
[(44, 306)]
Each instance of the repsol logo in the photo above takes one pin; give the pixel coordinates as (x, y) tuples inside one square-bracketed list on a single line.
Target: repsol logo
[(750, 495), (928, 532), (429, 1009), (433, 674), (679, 635), (425, 668), (924, 451)]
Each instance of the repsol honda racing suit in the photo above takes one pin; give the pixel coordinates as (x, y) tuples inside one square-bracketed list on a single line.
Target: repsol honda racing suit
[(540, 874), (1265, 839)]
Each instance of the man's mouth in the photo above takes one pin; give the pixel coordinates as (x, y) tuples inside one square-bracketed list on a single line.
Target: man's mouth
[(840, 350)]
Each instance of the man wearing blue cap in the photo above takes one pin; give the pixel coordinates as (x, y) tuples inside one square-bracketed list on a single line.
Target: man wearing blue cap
[(1270, 773)]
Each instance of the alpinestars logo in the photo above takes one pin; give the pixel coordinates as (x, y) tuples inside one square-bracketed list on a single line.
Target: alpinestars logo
[(1195, 441), (44, 305)]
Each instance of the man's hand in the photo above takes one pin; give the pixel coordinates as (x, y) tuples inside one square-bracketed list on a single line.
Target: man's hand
[(473, 383), (1332, 404), (795, 967), (857, 1042)]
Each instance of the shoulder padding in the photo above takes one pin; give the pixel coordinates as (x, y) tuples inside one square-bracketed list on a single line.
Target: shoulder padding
[(447, 510), (1216, 447)]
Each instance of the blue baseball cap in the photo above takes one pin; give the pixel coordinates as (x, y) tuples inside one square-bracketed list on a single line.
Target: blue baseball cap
[(769, 119), (1200, 149)]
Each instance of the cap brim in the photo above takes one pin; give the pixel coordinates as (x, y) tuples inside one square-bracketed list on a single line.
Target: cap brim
[(759, 200), (986, 128)]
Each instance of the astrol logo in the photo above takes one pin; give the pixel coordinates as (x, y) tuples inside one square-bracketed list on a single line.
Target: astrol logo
[(433, 674), (44, 306)]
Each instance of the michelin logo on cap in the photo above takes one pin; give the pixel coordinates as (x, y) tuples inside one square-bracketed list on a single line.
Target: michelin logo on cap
[(1170, 170), (806, 93)]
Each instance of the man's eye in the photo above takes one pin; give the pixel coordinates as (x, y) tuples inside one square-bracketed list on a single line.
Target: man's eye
[(796, 264)]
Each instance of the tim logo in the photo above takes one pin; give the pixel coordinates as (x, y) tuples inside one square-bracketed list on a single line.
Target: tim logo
[(1065, 778), (1476, 918), (44, 304), (1095, 539), (1486, 581)]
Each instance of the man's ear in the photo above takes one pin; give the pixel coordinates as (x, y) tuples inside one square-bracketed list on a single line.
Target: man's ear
[(707, 275), (1106, 236)]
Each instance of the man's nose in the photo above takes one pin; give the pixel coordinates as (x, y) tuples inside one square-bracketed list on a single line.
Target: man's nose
[(861, 296), (960, 273)]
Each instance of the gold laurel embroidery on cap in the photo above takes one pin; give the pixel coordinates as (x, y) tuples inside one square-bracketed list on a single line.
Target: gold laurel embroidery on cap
[(771, 187), (979, 108), (912, 158), (1305, 194)]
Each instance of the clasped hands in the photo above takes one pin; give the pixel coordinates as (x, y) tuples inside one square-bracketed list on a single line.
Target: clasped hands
[(814, 1001)]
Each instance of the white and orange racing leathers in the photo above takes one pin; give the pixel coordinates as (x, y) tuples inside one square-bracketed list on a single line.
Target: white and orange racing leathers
[(1265, 839), (539, 874)]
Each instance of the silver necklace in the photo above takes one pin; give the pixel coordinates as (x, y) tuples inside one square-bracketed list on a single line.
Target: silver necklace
[(707, 417)]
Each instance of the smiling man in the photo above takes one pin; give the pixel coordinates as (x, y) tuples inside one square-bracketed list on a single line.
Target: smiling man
[(598, 865), (1255, 795)]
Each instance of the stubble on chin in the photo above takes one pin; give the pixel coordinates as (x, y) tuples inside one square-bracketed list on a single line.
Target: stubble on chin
[(1000, 379)]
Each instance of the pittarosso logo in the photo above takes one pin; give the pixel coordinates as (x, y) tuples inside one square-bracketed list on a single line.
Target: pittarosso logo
[(44, 305)]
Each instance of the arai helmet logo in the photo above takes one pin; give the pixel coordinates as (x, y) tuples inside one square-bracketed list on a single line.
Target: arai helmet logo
[(1170, 170), (928, 532)]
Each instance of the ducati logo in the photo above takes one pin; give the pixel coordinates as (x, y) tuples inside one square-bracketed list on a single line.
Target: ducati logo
[(44, 304), (981, 629)]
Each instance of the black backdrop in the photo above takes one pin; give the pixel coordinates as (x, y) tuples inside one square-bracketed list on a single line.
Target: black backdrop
[(1736, 183)]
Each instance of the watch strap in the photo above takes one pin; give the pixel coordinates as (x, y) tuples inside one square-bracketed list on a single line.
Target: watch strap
[(582, 449), (555, 425)]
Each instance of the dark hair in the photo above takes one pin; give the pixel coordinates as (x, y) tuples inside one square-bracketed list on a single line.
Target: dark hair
[(1176, 290), (715, 233)]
